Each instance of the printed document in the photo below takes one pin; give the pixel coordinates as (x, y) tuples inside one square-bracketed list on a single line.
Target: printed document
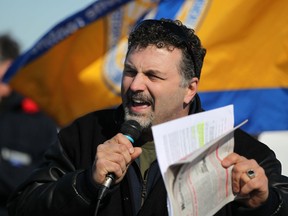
[(189, 152)]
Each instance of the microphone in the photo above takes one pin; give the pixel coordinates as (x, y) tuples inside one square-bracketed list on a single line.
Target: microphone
[(132, 130)]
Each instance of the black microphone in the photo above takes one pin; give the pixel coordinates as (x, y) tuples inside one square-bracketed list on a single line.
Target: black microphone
[(132, 130)]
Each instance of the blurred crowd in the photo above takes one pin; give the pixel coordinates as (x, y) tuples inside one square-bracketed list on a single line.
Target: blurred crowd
[(25, 131)]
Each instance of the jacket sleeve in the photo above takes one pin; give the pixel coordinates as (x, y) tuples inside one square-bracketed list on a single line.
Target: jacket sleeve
[(277, 202), (52, 189)]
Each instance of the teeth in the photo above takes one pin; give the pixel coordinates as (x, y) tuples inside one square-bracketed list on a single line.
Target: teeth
[(138, 101)]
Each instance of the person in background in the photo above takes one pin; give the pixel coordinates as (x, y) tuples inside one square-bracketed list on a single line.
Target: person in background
[(25, 132), (160, 81)]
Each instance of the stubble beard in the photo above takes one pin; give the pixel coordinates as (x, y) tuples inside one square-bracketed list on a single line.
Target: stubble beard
[(145, 120)]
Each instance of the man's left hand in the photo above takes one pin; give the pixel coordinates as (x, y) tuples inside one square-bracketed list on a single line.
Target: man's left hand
[(255, 187)]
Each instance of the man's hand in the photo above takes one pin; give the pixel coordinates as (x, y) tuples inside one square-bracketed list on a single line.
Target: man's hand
[(255, 188), (114, 156)]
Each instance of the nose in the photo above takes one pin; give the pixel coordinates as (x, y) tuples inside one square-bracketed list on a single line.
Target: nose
[(138, 83)]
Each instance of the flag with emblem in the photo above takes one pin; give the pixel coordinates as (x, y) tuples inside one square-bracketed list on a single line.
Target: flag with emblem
[(76, 67)]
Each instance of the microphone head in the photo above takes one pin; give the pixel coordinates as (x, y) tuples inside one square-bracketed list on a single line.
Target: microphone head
[(131, 128)]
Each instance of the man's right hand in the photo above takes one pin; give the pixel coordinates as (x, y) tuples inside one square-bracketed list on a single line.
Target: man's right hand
[(114, 156)]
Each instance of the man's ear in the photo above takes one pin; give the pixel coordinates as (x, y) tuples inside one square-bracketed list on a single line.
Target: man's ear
[(191, 90)]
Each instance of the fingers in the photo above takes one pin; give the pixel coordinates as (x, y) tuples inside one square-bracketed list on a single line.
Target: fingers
[(232, 159), (114, 156), (241, 182), (239, 175), (254, 187)]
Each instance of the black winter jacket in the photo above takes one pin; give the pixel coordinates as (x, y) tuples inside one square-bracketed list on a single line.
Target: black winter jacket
[(25, 135), (63, 185)]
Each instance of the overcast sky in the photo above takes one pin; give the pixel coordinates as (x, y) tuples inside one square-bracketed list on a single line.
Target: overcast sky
[(28, 20)]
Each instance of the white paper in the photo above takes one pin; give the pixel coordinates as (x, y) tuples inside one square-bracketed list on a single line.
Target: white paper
[(189, 152), (178, 138)]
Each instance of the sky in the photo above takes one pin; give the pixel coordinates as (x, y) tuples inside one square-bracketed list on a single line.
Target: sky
[(28, 20)]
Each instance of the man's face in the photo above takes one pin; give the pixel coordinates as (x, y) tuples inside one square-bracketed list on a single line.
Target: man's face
[(151, 86)]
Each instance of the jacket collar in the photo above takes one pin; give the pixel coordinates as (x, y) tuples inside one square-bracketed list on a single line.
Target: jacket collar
[(195, 106)]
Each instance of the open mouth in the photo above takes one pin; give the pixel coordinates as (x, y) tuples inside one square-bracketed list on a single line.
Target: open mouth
[(139, 102)]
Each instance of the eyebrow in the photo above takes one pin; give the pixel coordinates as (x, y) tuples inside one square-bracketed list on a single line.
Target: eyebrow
[(127, 65), (149, 71), (155, 72)]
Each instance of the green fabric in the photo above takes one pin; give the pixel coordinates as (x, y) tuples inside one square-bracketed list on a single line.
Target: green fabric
[(147, 156)]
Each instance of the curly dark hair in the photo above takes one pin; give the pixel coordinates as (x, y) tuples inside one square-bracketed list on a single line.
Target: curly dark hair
[(171, 33)]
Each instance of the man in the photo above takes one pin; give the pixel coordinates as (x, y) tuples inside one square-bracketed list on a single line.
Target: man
[(25, 132), (160, 80)]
